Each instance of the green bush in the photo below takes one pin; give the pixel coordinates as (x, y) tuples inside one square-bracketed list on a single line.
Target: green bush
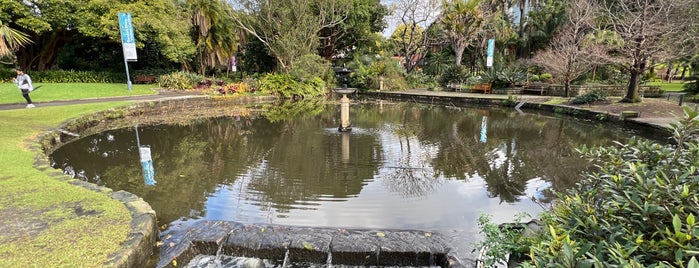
[(310, 66), (457, 74), (534, 78), (590, 97), (420, 80), (286, 86), (70, 76), (546, 77), (638, 209), (512, 75), (368, 72), (179, 80)]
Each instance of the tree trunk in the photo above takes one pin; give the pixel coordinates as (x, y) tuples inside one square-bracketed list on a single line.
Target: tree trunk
[(459, 53), (684, 72), (566, 87), (632, 91)]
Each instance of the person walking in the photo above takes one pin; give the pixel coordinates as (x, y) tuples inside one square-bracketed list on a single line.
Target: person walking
[(24, 82)]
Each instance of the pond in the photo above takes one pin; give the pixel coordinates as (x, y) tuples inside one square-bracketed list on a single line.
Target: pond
[(403, 165)]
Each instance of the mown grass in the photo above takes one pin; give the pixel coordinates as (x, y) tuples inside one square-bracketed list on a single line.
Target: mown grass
[(669, 87), (9, 93), (41, 226)]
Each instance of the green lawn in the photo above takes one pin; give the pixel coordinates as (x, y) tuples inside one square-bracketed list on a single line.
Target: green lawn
[(669, 87), (9, 93), (42, 226)]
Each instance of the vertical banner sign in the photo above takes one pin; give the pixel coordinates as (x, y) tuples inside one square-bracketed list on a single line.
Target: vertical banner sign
[(491, 51), (233, 67), (147, 165), (484, 130), (128, 42)]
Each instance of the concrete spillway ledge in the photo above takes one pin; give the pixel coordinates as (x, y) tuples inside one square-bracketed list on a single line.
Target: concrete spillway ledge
[(311, 245)]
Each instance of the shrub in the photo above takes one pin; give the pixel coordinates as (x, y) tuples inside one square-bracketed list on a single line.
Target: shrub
[(287, 87), (512, 75), (180, 80), (534, 78), (420, 80), (369, 70), (590, 97), (637, 209), (453, 74), (310, 66), (546, 77), (70, 76)]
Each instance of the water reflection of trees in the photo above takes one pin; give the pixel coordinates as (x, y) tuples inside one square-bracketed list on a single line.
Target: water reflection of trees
[(519, 148), (294, 163)]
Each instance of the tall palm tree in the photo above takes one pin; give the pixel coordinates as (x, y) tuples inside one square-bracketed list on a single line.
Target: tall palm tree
[(215, 33), (10, 40), (462, 21)]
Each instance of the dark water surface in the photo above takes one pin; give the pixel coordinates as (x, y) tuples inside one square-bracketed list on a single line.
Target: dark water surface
[(403, 165)]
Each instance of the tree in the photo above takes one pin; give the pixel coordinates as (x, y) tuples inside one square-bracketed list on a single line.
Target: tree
[(462, 22), (364, 18), (570, 55), (53, 23), (648, 29), (289, 28), (215, 34), (11, 40), (413, 16)]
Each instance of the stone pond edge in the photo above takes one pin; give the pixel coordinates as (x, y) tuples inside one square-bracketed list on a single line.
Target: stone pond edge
[(140, 243)]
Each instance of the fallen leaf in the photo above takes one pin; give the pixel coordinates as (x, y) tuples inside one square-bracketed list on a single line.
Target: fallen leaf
[(168, 236), (159, 243), (262, 230), (307, 245), (172, 244), (174, 263), (428, 234), (380, 234)]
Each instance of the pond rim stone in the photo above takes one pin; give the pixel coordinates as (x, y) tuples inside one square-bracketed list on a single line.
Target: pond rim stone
[(375, 247)]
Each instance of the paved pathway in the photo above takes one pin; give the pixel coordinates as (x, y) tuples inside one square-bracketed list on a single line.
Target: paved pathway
[(154, 97)]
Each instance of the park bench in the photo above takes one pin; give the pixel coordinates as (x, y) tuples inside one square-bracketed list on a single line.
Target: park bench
[(454, 86), (145, 79), (539, 88), (485, 88)]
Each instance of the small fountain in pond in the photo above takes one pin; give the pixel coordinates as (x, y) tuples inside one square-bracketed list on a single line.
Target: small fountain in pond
[(344, 102)]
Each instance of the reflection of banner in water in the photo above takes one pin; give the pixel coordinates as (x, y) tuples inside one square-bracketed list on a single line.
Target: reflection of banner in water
[(147, 165), (484, 129)]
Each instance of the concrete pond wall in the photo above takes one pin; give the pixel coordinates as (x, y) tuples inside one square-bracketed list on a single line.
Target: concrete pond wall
[(363, 247)]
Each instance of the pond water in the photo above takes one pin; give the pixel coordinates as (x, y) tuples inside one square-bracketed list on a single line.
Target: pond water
[(403, 165)]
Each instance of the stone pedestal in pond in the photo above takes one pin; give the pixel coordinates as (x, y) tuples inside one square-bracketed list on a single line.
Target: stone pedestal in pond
[(312, 245), (344, 108)]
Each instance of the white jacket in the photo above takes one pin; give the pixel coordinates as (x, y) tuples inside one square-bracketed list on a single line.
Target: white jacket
[(24, 82)]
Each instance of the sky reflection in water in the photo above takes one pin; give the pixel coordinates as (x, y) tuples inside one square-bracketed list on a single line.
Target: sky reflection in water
[(403, 166)]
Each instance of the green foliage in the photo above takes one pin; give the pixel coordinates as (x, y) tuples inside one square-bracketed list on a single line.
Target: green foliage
[(546, 77), (638, 209), (420, 80), (534, 78), (310, 66), (501, 240), (512, 75), (179, 80), (70, 76), (590, 97), (692, 86), (287, 86), (511, 101), (369, 70), (453, 74)]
